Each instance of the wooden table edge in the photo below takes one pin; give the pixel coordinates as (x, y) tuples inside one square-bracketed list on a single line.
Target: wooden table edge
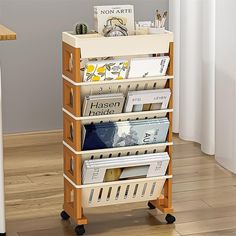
[(6, 33)]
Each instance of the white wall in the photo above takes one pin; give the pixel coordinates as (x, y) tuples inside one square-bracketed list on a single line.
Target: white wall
[(31, 66)]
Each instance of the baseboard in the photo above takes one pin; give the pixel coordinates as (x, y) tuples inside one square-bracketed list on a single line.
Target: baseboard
[(32, 138)]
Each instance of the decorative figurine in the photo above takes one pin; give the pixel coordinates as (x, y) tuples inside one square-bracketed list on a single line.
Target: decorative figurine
[(81, 28)]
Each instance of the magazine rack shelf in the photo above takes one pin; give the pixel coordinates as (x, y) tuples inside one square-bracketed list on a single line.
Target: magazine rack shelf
[(157, 191)]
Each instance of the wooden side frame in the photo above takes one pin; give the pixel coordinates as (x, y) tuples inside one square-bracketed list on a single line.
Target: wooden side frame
[(71, 62), (72, 165), (71, 98), (164, 203), (72, 132)]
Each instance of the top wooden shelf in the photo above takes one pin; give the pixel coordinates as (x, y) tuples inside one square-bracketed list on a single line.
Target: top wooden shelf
[(94, 45), (6, 34)]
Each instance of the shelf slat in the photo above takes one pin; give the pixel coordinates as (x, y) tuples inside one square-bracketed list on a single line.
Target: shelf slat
[(127, 115), (133, 80), (117, 149), (117, 182)]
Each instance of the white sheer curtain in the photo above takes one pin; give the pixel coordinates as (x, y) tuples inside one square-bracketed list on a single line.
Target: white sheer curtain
[(193, 24)]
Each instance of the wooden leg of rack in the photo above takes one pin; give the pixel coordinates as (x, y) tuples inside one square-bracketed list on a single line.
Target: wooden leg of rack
[(164, 202), (79, 216), (72, 203), (68, 202)]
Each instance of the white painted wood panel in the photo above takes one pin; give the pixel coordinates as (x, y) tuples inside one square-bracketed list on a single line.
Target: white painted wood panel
[(119, 46)]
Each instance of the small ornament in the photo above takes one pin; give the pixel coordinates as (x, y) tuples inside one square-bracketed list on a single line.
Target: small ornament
[(81, 28)]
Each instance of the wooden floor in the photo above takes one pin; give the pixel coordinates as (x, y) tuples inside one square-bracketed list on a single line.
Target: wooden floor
[(204, 195)]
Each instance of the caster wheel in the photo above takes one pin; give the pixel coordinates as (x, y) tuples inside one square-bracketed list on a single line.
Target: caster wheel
[(170, 219), (64, 216), (151, 206), (79, 230)]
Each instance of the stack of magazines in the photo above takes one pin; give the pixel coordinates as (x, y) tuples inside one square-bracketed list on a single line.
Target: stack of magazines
[(127, 167), (125, 133)]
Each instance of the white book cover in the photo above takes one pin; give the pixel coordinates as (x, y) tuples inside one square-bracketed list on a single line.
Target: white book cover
[(124, 12), (150, 165), (137, 99), (106, 70), (147, 67)]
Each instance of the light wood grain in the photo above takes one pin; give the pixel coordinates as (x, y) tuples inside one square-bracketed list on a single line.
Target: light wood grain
[(6, 34), (203, 226), (204, 196), (32, 138), (230, 232)]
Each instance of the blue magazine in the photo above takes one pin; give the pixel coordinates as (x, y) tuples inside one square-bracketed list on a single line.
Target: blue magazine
[(125, 133)]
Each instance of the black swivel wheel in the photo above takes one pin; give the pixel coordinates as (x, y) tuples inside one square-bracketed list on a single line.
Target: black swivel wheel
[(79, 230), (170, 219), (64, 216), (151, 206)]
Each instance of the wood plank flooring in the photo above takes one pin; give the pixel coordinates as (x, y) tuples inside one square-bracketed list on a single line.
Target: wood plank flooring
[(204, 195)]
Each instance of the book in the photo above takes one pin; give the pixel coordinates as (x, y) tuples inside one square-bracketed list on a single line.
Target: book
[(106, 70), (112, 174), (126, 167), (155, 99), (125, 133), (149, 66), (125, 13), (103, 104)]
